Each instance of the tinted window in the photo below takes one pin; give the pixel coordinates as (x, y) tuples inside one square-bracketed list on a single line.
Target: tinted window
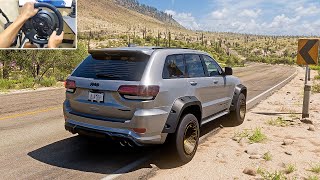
[(212, 66), (174, 67), (126, 68), (194, 66)]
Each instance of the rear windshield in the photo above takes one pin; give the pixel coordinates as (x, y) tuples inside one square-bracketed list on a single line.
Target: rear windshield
[(125, 67)]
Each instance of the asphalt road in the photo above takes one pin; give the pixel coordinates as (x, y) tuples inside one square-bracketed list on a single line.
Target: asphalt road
[(34, 144)]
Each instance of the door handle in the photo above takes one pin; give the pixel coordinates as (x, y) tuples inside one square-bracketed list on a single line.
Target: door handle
[(215, 82), (193, 83)]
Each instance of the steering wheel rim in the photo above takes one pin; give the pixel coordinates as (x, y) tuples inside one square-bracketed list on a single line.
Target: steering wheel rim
[(30, 31)]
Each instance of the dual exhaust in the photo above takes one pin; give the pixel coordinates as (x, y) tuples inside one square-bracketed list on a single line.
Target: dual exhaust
[(123, 141)]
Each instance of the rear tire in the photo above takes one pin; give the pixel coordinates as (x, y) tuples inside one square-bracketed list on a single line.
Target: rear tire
[(239, 114), (186, 138)]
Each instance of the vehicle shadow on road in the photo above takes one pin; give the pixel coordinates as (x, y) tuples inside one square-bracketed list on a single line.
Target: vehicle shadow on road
[(87, 155), (100, 156)]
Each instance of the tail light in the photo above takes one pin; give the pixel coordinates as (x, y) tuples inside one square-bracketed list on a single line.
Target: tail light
[(138, 92), (140, 130), (70, 85)]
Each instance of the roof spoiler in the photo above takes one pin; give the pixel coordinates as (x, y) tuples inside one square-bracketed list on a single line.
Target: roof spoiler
[(113, 51)]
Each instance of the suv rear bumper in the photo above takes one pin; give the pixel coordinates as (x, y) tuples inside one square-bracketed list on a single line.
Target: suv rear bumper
[(153, 120), (74, 128)]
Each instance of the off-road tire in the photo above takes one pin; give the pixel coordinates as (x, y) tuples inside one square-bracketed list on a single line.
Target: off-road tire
[(186, 148), (238, 115)]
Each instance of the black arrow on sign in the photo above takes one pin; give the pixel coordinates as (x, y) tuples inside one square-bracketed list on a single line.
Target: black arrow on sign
[(305, 51)]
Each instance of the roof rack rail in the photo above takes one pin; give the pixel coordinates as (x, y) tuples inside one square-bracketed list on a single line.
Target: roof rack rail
[(155, 48)]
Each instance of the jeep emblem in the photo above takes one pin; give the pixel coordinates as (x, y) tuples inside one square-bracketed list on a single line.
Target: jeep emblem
[(94, 84)]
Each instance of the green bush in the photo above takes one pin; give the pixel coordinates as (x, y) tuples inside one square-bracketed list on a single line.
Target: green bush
[(48, 82), (317, 68), (25, 83), (277, 175), (317, 77), (316, 88), (61, 75), (257, 136), (6, 84)]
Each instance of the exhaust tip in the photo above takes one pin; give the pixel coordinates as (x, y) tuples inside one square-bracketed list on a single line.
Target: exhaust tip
[(74, 129), (123, 143), (130, 145)]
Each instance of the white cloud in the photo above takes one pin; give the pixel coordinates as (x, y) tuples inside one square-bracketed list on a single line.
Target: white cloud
[(250, 13), (185, 19), (271, 17), (282, 21), (307, 11), (220, 14)]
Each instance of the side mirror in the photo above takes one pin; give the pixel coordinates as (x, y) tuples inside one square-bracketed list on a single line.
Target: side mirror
[(228, 71)]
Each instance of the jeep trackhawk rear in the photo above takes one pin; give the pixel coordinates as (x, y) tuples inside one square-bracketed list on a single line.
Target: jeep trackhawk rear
[(139, 96)]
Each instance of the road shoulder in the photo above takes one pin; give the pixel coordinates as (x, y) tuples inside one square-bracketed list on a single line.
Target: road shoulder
[(23, 91)]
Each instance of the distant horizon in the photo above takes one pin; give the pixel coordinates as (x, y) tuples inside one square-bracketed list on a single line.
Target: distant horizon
[(250, 34), (263, 17)]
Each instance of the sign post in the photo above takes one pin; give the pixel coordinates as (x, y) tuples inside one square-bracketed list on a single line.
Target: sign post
[(307, 75), (308, 52)]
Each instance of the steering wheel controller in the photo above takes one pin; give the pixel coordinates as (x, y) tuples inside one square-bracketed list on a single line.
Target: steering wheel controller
[(39, 28)]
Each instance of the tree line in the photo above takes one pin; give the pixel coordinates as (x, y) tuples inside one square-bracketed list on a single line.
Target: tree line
[(35, 66)]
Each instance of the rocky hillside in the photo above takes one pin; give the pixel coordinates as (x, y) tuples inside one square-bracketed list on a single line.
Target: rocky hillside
[(116, 16), (148, 11)]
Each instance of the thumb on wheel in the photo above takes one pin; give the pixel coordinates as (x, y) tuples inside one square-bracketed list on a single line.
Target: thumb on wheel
[(54, 33)]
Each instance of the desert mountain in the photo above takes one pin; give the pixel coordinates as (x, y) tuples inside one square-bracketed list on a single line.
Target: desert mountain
[(116, 16)]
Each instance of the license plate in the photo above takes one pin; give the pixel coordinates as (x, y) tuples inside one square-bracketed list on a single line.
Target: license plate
[(97, 97)]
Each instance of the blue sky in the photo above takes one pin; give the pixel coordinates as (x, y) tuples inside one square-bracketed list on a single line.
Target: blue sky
[(270, 17)]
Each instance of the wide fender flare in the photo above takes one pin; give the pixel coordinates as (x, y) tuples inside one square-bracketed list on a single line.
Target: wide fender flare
[(177, 109), (240, 88)]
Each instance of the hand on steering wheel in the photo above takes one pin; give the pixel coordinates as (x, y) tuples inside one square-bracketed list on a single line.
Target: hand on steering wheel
[(40, 27), (28, 10), (55, 40)]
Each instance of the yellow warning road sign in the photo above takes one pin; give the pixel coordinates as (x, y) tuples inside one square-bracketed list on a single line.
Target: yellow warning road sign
[(308, 51)]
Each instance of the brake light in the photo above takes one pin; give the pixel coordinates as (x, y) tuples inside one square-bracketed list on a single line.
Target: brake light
[(139, 92), (70, 86)]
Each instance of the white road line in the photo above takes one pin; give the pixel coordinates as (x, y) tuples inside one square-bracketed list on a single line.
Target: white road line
[(128, 167), (138, 162), (269, 90)]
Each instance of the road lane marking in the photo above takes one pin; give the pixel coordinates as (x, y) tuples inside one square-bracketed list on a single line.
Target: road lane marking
[(142, 160), (30, 113), (271, 89), (129, 167)]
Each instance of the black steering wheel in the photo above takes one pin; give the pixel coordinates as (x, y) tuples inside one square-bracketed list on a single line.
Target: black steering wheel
[(39, 28)]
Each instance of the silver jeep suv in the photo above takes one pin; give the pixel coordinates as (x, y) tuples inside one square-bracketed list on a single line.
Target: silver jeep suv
[(145, 95)]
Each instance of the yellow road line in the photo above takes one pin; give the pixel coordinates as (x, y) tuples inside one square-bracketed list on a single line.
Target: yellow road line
[(31, 112)]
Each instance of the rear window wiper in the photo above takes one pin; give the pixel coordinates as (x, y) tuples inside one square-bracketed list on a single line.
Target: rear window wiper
[(108, 76)]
